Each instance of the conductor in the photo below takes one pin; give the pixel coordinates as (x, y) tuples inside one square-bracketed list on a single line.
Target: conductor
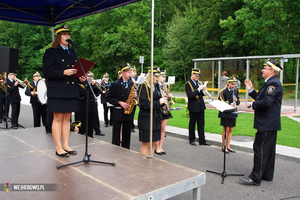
[(267, 108)]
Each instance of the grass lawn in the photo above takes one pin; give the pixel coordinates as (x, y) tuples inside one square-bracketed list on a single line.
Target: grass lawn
[(288, 136)]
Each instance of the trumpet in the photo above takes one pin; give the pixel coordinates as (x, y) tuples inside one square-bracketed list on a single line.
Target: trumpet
[(204, 91), (22, 83)]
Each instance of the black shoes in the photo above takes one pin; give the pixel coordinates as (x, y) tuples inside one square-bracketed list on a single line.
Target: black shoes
[(132, 130), (193, 143), (205, 143), (14, 127), (249, 181), (158, 153), (226, 151), (63, 154), (106, 125), (100, 133), (72, 152), (230, 150)]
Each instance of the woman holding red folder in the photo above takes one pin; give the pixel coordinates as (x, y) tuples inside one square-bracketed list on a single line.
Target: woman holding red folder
[(62, 88)]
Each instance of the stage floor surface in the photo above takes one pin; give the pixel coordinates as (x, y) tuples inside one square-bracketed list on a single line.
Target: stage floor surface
[(27, 156)]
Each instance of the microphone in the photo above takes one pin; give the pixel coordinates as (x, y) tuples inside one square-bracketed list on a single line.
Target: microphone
[(71, 42)]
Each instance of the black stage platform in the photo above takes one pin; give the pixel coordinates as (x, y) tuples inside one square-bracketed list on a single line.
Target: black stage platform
[(27, 156)]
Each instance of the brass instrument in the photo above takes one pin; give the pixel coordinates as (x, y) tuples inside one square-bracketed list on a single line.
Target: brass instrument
[(164, 95), (204, 91), (130, 101), (22, 83), (2, 83)]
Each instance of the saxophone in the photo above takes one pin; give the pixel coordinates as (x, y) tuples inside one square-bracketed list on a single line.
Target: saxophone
[(2, 84), (130, 101)]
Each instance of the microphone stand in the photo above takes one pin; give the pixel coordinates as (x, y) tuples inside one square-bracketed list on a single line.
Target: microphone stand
[(86, 158)]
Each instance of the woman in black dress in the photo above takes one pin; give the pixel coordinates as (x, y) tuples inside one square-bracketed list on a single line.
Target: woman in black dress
[(166, 114), (230, 95), (62, 88), (144, 103)]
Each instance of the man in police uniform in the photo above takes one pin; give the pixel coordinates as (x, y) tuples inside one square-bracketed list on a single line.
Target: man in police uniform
[(267, 109), (196, 108), (39, 110), (117, 96), (14, 98)]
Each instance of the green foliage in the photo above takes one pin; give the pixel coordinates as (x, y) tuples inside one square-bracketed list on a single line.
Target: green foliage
[(183, 30), (178, 99)]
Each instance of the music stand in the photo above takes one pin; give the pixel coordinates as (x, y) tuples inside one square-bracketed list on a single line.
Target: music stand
[(224, 107), (86, 158)]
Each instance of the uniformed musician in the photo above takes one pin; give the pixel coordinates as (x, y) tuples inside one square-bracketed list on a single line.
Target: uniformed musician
[(2, 96), (14, 98), (196, 107), (230, 95), (92, 107), (38, 109), (144, 99), (62, 88), (267, 109), (117, 96), (105, 85)]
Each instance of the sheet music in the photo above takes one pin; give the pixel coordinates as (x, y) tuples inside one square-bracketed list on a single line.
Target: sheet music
[(141, 78), (221, 105)]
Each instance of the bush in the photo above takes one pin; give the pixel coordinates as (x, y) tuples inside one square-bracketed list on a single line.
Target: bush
[(178, 99)]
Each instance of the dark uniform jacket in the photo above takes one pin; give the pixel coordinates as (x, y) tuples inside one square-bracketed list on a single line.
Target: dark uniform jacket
[(144, 104), (93, 105), (13, 94), (2, 93), (267, 105), (227, 96), (195, 98), (117, 93), (56, 60), (33, 99), (105, 87)]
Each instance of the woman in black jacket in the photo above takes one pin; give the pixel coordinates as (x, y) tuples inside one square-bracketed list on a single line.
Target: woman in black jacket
[(62, 88), (230, 95), (144, 102)]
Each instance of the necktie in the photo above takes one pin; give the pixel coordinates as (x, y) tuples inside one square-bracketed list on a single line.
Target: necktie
[(125, 84), (67, 50)]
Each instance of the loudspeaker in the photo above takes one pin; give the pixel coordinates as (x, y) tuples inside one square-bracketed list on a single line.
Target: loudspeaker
[(9, 58)]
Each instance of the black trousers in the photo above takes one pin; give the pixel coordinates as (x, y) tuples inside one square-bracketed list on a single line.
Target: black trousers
[(39, 111), (105, 109), (97, 122), (196, 117), (2, 108), (264, 148), (15, 112), (90, 124), (126, 133)]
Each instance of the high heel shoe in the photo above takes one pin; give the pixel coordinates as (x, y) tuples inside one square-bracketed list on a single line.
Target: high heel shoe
[(62, 154), (72, 152)]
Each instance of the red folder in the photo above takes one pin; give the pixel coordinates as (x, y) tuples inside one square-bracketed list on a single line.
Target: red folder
[(86, 64)]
